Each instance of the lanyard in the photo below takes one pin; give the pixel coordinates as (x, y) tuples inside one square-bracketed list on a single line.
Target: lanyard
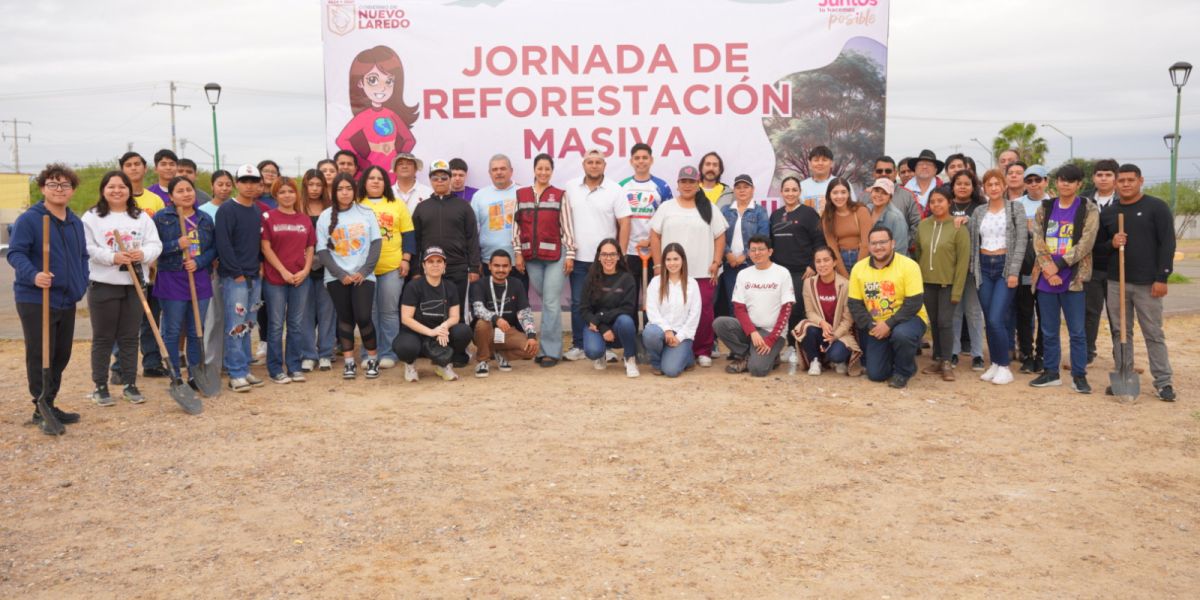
[(498, 304)]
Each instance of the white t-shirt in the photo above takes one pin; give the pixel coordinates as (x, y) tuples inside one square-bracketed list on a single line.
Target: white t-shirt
[(415, 196), (764, 292), (686, 227), (595, 213), (812, 193)]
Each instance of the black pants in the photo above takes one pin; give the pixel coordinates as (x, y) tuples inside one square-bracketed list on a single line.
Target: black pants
[(410, 346), (460, 279), (1026, 306), (1095, 293), (941, 319), (353, 304), (62, 333), (634, 262), (116, 316), (151, 357), (798, 310)]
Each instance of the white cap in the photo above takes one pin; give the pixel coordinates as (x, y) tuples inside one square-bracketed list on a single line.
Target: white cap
[(247, 170)]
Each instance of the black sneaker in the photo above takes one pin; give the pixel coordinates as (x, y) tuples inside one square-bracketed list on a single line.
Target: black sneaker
[(977, 364), (1165, 393), (132, 394), (502, 363), (1046, 379), (47, 428), (155, 372), (1027, 366), (64, 417), (898, 382), (350, 371), (482, 370), (1038, 366), (371, 369), (954, 360), (101, 396), (1080, 384)]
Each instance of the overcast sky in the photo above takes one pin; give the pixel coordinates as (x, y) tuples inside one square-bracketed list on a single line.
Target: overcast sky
[(86, 74)]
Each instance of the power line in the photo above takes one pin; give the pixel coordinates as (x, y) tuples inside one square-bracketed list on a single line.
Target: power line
[(84, 91), (891, 117), (16, 138), (172, 104)]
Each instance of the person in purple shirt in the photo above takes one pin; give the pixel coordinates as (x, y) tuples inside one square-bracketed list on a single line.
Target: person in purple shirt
[(458, 180), (166, 166)]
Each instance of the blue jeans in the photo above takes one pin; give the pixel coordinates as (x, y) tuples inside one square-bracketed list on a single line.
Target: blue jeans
[(625, 331), (969, 306), (995, 297), (320, 323), (896, 354), (285, 305), (242, 301), (386, 312), (849, 258), (578, 277), (548, 278), (177, 318), (1073, 306), (814, 347), (670, 360)]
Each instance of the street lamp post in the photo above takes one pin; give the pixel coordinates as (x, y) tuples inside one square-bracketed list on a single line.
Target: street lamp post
[(1180, 72), (213, 92), (1069, 138), (991, 158)]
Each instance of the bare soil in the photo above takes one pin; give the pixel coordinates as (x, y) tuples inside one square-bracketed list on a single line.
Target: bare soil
[(569, 482)]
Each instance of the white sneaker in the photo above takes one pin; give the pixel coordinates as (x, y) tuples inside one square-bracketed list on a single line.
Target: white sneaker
[(631, 369), (325, 364), (387, 363), (840, 368), (1003, 376), (716, 352), (446, 373), (990, 373), (599, 364), (410, 372), (786, 355), (704, 361), (610, 356), (298, 377), (281, 378), (307, 365), (261, 352), (814, 368), (574, 354)]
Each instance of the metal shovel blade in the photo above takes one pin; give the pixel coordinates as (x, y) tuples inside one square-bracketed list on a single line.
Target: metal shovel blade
[(208, 381), (1124, 382), (183, 395)]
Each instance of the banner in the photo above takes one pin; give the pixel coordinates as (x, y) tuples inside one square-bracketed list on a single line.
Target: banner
[(760, 82)]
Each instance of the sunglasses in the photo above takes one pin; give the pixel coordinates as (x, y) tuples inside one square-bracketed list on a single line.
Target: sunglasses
[(884, 171)]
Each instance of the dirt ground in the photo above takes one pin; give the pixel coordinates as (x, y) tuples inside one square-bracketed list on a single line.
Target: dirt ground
[(574, 483)]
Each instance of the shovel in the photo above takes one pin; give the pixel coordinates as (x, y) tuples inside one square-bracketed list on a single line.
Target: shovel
[(643, 356), (50, 423), (1124, 381), (208, 381), (181, 393)]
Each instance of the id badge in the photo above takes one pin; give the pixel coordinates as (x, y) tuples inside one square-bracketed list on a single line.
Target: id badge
[(497, 336)]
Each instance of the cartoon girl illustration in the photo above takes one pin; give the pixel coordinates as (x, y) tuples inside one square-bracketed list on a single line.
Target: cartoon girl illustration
[(381, 124)]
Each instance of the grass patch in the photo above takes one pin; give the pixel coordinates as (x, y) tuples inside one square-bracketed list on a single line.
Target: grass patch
[(1178, 278)]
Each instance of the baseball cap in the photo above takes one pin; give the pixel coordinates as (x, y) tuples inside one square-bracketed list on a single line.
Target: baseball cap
[(688, 173), (885, 184), (439, 165), (1037, 170), (743, 178), (433, 251), (247, 171)]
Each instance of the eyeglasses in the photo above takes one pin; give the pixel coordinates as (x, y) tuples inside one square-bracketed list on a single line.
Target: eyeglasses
[(609, 255), (879, 242), (439, 178), (884, 171), (1034, 179), (59, 187)]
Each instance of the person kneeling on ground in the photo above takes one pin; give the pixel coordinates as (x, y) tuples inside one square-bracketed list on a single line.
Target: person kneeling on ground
[(762, 303), (608, 306), (673, 309), (886, 299), (429, 315), (827, 330), (503, 318)]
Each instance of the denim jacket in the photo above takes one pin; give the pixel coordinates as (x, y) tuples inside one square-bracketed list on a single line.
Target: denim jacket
[(171, 259), (755, 221)]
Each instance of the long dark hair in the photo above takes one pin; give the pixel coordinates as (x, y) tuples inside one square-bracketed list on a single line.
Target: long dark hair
[(829, 212), (976, 193), (334, 209), (324, 198), (131, 207), (362, 183), (596, 272), (664, 284)]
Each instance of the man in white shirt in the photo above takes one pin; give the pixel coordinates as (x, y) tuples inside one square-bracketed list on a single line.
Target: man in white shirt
[(599, 211), (926, 166), (407, 188), (644, 193), (762, 302)]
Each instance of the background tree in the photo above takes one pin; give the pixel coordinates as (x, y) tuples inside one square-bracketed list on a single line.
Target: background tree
[(1024, 137), (839, 105)]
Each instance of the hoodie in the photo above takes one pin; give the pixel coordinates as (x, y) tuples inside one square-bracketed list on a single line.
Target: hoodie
[(68, 258)]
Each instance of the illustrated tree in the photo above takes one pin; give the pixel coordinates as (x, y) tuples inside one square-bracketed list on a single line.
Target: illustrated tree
[(1024, 137), (840, 105)]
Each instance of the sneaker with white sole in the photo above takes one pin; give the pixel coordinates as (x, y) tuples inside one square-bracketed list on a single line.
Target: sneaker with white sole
[(350, 370), (599, 364), (239, 384), (371, 368), (101, 396), (840, 368), (814, 368), (281, 378), (307, 365), (990, 373), (502, 363), (1004, 376), (325, 364), (132, 394), (786, 355), (610, 356), (387, 362), (410, 372), (704, 361), (261, 351), (298, 377), (482, 370), (574, 354), (446, 373), (254, 381), (631, 368)]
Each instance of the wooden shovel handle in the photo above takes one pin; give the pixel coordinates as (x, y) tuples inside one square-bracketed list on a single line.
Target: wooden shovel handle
[(1121, 272), (46, 292)]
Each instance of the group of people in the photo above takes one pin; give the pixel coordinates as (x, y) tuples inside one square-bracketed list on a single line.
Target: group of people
[(343, 260)]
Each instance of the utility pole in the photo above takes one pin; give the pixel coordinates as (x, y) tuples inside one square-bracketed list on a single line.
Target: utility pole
[(172, 104), (16, 138), (299, 162)]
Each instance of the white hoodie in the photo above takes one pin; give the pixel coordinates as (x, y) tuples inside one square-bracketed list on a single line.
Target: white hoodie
[(136, 234)]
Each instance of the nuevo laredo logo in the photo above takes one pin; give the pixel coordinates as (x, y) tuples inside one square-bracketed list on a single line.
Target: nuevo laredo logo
[(339, 16), (344, 16)]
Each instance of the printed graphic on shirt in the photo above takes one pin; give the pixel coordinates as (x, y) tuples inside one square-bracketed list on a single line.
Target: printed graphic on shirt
[(387, 221), (434, 308), (641, 204), (193, 238), (500, 214), (880, 299), (350, 240), (1059, 236), (823, 298), (131, 239)]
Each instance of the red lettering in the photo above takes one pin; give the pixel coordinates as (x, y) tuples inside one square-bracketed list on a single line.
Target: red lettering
[(553, 98), (735, 53), (662, 60), (600, 137), (706, 58), (610, 106), (664, 101), (532, 58), (507, 53), (435, 100), (571, 144), (687, 100), (530, 99), (464, 99), (581, 103), (676, 143), (535, 145), (597, 60), (624, 51)]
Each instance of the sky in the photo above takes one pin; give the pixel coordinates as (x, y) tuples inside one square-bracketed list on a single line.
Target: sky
[(86, 75)]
